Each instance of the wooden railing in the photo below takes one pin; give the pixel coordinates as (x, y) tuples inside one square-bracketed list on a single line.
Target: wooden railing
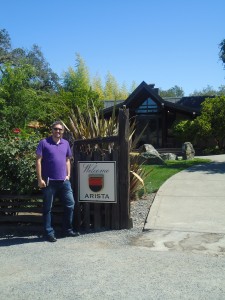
[(25, 209)]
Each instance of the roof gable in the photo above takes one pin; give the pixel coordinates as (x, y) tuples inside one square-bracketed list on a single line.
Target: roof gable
[(187, 105), (141, 93), (137, 97)]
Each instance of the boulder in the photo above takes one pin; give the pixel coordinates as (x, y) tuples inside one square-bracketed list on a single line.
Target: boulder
[(148, 148), (188, 151), (151, 158), (168, 156), (149, 155)]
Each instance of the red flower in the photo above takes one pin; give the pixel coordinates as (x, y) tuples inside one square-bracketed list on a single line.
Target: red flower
[(16, 130)]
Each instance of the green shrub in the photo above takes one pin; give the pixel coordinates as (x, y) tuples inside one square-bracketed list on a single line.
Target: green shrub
[(17, 163)]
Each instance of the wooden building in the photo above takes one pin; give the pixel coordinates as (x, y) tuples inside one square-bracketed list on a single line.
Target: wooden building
[(146, 105)]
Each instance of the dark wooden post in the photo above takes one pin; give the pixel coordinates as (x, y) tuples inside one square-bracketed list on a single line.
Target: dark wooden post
[(77, 218), (124, 169), (163, 126), (116, 206)]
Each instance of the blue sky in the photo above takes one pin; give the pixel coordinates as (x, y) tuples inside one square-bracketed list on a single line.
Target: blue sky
[(165, 42)]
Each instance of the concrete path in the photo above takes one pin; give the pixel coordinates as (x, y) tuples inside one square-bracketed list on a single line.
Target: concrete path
[(188, 212)]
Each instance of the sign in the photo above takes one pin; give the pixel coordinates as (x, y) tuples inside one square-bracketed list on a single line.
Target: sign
[(97, 181)]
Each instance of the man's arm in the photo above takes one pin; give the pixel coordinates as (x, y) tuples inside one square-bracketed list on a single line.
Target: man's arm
[(41, 182), (68, 168)]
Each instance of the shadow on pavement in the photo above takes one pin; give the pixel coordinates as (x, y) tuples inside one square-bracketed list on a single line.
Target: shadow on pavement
[(16, 234), (11, 241), (210, 168)]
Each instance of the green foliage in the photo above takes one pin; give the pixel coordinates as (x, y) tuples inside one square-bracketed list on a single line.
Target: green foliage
[(175, 91), (207, 91), (76, 87), (138, 176), (97, 86), (112, 90), (91, 123), (222, 51), (209, 125), (211, 122), (5, 46), (17, 163), (44, 79), (185, 131), (20, 103)]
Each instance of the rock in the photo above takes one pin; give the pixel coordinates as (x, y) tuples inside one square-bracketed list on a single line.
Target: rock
[(152, 159), (149, 155), (148, 148), (188, 151), (168, 156)]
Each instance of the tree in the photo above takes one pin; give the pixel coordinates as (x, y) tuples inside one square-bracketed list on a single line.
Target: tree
[(185, 131), (77, 78), (221, 90), (210, 125), (77, 90), (222, 51), (175, 91), (211, 122), (123, 93), (133, 86), (44, 78), (98, 87), (14, 86), (20, 103), (207, 91), (111, 90), (5, 46)]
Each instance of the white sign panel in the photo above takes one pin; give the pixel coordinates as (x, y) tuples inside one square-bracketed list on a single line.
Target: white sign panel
[(97, 181)]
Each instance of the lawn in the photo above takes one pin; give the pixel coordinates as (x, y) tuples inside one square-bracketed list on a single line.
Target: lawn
[(160, 173)]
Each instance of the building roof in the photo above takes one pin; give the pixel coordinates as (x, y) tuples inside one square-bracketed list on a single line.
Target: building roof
[(187, 105)]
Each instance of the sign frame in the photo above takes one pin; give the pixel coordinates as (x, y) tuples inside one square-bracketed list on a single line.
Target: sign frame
[(99, 173)]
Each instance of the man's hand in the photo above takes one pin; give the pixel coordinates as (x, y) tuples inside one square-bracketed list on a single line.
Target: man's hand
[(41, 183), (67, 177)]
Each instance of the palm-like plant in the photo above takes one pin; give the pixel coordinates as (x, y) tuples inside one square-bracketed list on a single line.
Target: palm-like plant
[(91, 124)]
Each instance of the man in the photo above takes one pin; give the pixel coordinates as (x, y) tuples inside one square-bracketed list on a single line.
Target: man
[(53, 174)]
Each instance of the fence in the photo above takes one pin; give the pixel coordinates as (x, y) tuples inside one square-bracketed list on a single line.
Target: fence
[(87, 216)]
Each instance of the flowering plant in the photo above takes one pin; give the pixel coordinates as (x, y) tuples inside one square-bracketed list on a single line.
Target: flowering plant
[(17, 164), (16, 130)]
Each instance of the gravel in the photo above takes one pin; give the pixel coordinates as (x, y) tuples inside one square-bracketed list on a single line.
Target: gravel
[(105, 265), (139, 210), (32, 268)]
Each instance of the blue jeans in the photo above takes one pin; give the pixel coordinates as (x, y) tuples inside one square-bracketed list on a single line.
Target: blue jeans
[(63, 190)]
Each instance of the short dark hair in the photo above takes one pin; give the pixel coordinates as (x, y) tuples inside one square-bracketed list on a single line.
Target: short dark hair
[(58, 123)]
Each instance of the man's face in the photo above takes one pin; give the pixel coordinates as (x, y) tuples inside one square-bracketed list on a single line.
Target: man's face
[(57, 131)]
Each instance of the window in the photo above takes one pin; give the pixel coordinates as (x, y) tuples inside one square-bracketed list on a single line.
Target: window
[(148, 106)]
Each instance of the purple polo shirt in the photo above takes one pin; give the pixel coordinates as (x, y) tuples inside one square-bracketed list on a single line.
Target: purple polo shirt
[(53, 158)]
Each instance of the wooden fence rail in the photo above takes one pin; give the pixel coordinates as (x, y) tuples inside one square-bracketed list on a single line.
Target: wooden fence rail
[(25, 209)]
